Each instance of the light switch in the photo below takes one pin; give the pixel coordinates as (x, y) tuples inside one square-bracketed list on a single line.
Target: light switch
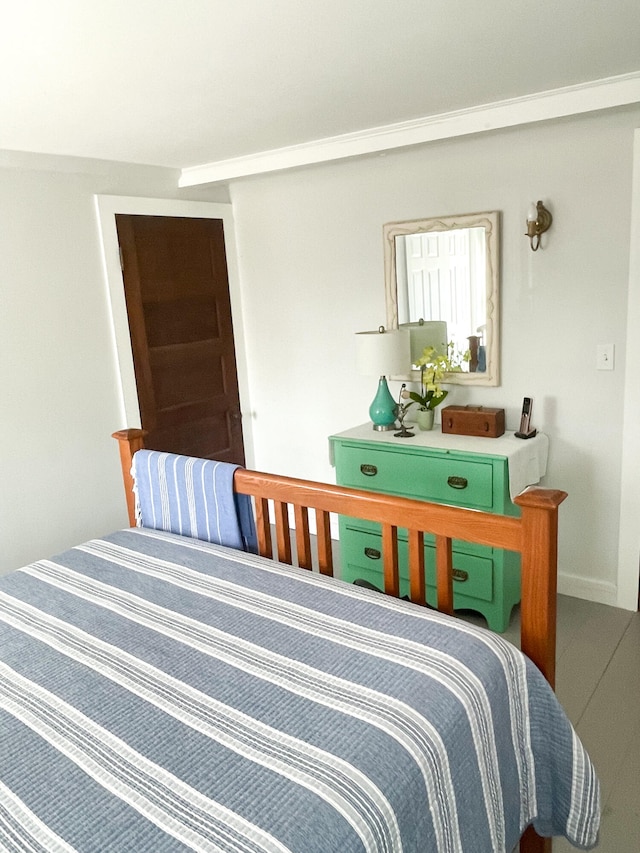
[(605, 356)]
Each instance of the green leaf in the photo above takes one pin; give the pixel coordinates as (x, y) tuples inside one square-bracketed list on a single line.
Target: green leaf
[(435, 401)]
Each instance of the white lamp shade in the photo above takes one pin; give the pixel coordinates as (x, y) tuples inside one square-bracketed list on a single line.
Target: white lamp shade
[(428, 333), (383, 353)]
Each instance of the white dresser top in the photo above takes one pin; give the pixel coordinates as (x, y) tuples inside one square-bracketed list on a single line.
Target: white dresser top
[(527, 457)]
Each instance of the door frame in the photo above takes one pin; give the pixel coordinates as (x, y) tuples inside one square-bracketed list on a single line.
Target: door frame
[(629, 538), (107, 206)]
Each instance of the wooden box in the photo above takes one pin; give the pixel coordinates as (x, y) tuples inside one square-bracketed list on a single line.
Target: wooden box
[(473, 420)]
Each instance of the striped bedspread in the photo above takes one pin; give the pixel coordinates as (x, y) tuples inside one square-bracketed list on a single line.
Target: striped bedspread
[(160, 694)]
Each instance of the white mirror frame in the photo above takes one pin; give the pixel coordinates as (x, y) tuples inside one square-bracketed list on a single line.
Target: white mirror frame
[(490, 221)]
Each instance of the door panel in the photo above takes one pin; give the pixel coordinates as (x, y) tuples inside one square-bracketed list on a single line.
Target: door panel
[(177, 295)]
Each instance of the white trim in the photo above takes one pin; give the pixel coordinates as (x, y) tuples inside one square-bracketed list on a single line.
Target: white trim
[(629, 537), (590, 590), (106, 208), (541, 106)]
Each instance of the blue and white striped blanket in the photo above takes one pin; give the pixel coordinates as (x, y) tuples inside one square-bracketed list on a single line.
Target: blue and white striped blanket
[(159, 693), (193, 497)]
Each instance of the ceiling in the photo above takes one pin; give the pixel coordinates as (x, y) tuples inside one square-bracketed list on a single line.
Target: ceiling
[(181, 83)]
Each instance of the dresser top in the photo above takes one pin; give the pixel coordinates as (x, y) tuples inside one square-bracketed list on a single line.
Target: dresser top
[(527, 457)]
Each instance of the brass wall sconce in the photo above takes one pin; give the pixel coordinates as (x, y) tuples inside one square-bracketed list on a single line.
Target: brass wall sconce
[(538, 221)]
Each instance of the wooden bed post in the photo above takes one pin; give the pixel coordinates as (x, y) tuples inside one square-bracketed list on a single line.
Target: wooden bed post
[(539, 576), (129, 441), (531, 842), (538, 608)]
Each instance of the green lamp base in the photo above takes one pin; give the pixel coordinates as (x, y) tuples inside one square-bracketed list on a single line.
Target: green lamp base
[(382, 410)]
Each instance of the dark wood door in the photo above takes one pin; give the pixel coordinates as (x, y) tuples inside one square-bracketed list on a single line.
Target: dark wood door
[(177, 295)]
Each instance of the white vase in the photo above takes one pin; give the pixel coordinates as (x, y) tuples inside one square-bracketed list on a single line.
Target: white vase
[(424, 418)]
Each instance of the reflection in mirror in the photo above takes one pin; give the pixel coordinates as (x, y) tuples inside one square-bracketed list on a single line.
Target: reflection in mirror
[(446, 269)]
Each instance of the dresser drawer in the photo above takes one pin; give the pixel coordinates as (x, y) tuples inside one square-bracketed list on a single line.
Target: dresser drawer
[(361, 557), (360, 524), (442, 469), (442, 479)]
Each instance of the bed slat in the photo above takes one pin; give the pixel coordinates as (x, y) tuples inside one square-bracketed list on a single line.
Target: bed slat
[(263, 528), (303, 540), (444, 574), (325, 549), (390, 559), (283, 532), (417, 583)]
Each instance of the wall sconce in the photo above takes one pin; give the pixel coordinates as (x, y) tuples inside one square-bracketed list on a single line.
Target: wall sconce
[(538, 221)]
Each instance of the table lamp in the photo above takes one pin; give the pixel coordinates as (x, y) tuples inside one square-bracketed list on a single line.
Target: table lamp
[(426, 333), (382, 353)]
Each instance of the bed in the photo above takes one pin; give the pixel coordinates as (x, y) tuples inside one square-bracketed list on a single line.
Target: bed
[(160, 692)]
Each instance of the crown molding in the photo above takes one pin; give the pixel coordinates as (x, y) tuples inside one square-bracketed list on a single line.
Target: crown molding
[(541, 106)]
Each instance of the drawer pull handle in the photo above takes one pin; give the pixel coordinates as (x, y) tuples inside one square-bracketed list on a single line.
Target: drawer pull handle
[(369, 470), (458, 482), (460, 575), (372, 553)]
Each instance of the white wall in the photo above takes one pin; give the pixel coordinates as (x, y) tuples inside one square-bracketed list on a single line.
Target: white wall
[(310, 260), (310, 256), (58, 382)]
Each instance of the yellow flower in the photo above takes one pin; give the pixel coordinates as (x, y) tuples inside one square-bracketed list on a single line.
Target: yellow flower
[(434, 366)]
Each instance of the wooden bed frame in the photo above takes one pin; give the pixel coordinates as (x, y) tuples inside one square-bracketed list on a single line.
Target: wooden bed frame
[(533, 535)]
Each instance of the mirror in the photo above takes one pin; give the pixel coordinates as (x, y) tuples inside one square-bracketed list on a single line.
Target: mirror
[(447, 269)]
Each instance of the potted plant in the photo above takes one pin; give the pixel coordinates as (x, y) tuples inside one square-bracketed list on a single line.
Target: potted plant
[(434, 367)]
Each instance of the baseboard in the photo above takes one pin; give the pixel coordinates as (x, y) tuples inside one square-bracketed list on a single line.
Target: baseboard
[(575, 586), (590, 590)]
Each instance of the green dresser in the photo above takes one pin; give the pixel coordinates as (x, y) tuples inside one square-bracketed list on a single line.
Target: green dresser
[(459, 470)]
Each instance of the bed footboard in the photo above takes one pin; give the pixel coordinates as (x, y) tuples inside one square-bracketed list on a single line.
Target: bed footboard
[(534, 535)]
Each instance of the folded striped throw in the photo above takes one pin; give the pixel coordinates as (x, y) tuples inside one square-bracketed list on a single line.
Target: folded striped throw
[(192, 497)]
